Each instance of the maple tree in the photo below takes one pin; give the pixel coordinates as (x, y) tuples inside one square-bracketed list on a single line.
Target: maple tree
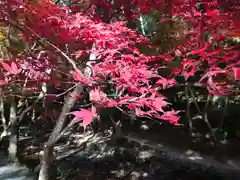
[(58, 51), (114, 62)]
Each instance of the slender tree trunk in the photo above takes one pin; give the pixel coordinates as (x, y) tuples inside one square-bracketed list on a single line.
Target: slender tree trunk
[(14, 133), (47, 157), (143, 25), (46, 163), (3, 118)]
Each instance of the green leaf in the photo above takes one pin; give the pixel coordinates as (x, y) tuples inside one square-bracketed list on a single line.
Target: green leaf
[(112, 94)]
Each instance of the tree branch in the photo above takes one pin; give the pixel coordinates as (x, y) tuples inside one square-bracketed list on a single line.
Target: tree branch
[(22, 27), (69, 103)]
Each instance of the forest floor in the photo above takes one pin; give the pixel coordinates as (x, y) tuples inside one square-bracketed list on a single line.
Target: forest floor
[(138, 158), (144, 154), (12, 172)]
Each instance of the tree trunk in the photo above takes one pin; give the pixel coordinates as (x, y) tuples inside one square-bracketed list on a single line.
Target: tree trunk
[(56, 134), (46, 163), (13, 144), (48, 158), (3, 118), (14, 133)]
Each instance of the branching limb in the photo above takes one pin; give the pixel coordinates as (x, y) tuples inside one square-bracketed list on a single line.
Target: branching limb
[(29, 108), (43, 42), (68, 104)]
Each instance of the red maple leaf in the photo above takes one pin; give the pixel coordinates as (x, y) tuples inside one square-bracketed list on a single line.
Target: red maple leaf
[(81, 78), (84, 115), (236, 73), (13, 69), (165, 83), (190, 67), (171, 116)]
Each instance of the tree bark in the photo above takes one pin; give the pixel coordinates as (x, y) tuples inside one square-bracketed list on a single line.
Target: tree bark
[(14, 133), (3, 118), (48, 158), (46, 163)]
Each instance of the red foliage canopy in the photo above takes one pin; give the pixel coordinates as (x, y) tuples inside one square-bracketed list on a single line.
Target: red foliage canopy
[(119, 64)]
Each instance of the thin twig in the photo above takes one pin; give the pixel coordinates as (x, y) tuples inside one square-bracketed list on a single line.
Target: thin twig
[(225, 112), (65, 92), (124, 112), (41, 95), (205, 118), (22, 27), (188, 114), (194, 100)]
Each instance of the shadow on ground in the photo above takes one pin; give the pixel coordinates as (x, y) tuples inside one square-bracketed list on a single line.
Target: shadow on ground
[(133, 161), (94, 157)]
